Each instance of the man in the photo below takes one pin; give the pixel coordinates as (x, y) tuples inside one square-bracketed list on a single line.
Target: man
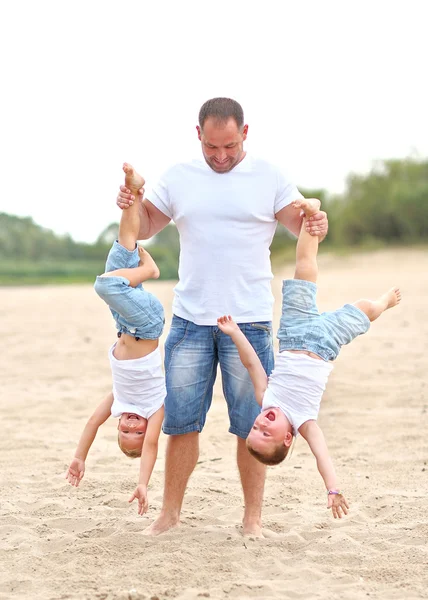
[(226, 209)]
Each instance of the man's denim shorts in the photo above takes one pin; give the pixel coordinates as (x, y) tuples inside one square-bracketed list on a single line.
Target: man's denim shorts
[(136, 312), (192, 353), (302, 327)]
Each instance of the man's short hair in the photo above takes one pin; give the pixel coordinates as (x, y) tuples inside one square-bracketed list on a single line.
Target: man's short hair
[(221, 110), (272, 458)]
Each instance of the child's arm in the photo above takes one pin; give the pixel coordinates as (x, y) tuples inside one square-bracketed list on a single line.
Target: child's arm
[(247, 354), (148, 458), (76, 470), (315, 438)]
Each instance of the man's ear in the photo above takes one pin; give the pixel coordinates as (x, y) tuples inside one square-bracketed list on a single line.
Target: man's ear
[(198, 129), (245, 132)]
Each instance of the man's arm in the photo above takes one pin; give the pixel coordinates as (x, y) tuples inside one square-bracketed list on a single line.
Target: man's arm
[(292, 220), (311, 432), (152, 220), (148, 459), (76, 469), (248, 356)]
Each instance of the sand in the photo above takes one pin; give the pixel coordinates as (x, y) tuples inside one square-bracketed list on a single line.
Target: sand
[(58, 542)]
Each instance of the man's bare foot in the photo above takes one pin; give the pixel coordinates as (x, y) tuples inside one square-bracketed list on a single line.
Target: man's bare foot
[(252, 529), (310, 206), (392, 297), (133, 180), (162, 524)]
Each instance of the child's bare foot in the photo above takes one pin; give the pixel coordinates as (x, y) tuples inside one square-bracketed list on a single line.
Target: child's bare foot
[(133, 180), (374, 308), (310, 206), (392, 297), (146, 259), (142, 254)]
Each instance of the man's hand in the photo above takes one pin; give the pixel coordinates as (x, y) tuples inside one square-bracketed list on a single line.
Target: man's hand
[(140, 493), (75, 471), (125, 198), (318, 224), (338, 505), (227, 325)]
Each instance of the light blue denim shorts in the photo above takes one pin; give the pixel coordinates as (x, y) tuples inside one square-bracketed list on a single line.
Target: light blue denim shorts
[(302, 327), (136, 312), (192, 354)]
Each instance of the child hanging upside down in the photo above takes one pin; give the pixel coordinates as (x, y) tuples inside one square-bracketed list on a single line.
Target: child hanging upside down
[(136, 364), (308, 343)]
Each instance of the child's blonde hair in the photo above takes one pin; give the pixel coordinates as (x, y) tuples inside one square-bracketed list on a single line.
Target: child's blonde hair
[(273, 457), (135, 453)]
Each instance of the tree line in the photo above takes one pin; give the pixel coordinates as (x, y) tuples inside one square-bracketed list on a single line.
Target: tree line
[(389, 205)]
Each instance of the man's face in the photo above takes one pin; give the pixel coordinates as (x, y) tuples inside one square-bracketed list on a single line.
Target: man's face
[(222, 144), (270, 429)]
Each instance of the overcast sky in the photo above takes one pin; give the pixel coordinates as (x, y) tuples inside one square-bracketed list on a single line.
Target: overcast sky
[(327, 88)]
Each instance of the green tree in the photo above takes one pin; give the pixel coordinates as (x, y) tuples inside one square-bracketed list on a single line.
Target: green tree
[(388, 204)]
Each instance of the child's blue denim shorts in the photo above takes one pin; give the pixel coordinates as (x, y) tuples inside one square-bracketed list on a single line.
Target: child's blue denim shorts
[(136, 312), (302, 327)]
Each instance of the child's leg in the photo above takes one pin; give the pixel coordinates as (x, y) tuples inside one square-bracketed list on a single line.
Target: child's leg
[(307, 245), (130, 220), (147, 269), (128, 231), (374, 308)]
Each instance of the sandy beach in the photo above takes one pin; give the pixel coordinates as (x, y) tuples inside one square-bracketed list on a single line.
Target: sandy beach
[(58, 542)]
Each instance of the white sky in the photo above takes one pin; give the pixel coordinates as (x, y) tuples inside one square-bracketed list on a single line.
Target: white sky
[(326, 86)]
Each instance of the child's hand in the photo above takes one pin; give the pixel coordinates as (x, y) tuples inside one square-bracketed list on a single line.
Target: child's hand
[(338, 505), (227, 325), (140, 493), (75, 471)]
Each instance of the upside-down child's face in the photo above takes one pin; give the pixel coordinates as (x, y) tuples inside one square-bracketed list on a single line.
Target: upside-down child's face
[(270, 429), (132, 429)]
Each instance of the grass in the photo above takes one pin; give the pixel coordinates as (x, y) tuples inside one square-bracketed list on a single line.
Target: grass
[(25, 272), (36, 273), (287, 254)]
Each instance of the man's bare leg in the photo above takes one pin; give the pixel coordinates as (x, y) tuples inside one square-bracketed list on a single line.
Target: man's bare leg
[(182, 454), (374, 308), (253, 475), (307, 245)]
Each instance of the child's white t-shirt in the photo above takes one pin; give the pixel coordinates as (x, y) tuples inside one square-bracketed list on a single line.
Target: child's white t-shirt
[(138, 384), (226, 223), (296, 386)]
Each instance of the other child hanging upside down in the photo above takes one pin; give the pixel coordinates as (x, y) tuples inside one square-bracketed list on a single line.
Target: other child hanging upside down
[(136, 364), (308, 343)]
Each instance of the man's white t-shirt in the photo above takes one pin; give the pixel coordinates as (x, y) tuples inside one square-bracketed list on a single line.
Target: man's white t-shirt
[(296, 386), (226, 223)]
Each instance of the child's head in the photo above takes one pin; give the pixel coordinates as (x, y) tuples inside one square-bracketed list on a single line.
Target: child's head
[(270, 437), (131, 431)]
